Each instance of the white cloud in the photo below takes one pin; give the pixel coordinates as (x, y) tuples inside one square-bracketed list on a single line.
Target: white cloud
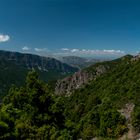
[(25, 48), (4, 38), (75, 50), (91, 52), (65, 49), (40, 49)]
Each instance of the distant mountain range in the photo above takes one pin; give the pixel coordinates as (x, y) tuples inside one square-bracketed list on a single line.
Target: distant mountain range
[(79, 62), (14, 67)]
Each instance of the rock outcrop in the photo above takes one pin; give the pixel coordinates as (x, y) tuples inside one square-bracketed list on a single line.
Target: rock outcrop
[(75, 81), (136, 58)]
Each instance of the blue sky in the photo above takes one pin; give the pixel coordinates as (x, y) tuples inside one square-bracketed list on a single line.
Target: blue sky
[(70, 27)]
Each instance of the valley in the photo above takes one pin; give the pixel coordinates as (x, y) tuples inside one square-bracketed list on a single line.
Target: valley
[(101, 101), (14, 67), (69, 70)]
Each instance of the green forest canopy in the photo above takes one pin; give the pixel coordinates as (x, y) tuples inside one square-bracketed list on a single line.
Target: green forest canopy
[(35, 112)]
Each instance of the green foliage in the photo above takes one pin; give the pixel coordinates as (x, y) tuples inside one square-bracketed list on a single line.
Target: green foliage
[(15, 66), (136, 118), (32, 111), (93, 108), (112, 124), (35, 112)]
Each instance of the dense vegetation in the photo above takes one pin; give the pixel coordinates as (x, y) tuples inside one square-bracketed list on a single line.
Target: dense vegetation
[(31, 112), (96, 105), (15, 75), (15, 66), (35, 112)]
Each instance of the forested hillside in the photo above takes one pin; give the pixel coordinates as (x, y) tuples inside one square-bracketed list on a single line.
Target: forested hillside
[(107, 107), (15, 66)]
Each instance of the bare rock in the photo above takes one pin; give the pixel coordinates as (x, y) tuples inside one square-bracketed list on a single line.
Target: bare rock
[(67, 85)]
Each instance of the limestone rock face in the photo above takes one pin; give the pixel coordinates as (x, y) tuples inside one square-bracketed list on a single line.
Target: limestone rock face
[(77, 80), (136, 58)]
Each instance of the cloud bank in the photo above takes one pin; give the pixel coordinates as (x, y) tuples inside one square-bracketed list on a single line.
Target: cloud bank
[(4, 38), (40, 49), (65, 49), (25, 48), (76, 51)]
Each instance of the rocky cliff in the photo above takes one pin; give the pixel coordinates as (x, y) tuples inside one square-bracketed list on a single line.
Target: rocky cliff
[(84, 76), (75, 81)]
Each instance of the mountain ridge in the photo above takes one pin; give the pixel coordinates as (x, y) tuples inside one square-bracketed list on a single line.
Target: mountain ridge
[(32, 60), (14, 67), (84, 76), (105, 107)]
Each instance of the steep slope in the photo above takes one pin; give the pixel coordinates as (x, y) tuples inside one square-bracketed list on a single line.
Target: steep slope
[(93, 108), (14, 67), (107, 107), (77, 80), (31, 61)]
